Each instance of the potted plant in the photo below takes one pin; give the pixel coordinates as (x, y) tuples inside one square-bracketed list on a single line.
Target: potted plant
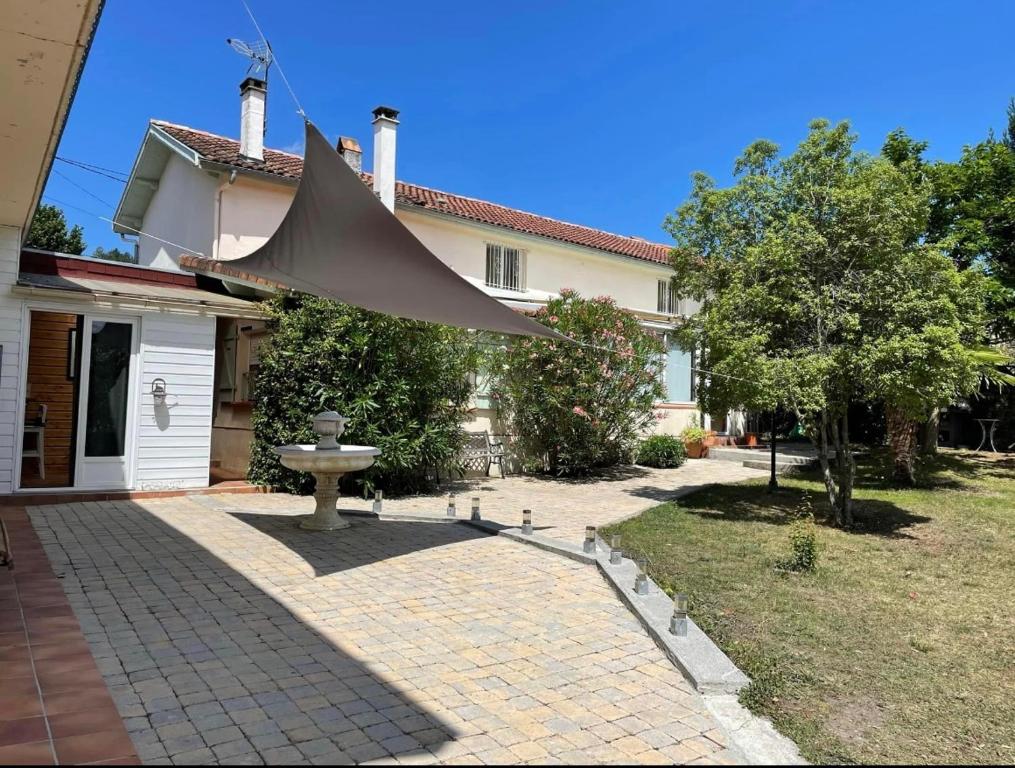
[(694, 442)]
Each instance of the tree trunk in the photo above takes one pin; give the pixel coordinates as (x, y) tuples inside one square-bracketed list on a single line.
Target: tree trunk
[(838, 484), (847, 472), (902, 444), (930, 430)]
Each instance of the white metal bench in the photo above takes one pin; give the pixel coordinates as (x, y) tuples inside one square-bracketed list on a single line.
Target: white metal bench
[(481, 452)]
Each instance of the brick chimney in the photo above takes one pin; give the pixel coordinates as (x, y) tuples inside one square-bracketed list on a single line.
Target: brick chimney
[(385, 129), (253, 97), (350, 151)]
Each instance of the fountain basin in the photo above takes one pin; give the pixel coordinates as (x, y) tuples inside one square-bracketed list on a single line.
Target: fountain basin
[(309, 458), (327, 466)]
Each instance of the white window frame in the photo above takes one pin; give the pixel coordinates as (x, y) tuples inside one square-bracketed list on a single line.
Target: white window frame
[(499, 280)]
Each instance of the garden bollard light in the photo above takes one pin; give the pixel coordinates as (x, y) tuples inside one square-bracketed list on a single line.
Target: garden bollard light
[(641, 580), (527, 522), (678, 622), (616, 555), (378, 500), (475, 508), (452, 512), (589, 547)]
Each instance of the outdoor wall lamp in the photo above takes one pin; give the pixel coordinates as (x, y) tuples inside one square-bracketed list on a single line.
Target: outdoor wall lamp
[(641, 580), (159, 391), (678, 622), (527, 522), (475, 508), (616, 555), (589, 547), (452, 512)]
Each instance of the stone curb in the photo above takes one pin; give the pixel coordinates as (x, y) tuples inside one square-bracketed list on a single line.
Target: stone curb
[(705, 666), (753, 739)]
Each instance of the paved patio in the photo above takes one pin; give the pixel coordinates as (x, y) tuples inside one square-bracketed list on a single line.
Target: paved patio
[(560, 508), (227, 634)]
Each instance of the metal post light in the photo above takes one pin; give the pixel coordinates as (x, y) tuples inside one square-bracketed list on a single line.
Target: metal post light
[(773, 481), (641, 580), (378, 501), (589, 546), (452, 512), (475, 508), (616, 555), (678, 622)]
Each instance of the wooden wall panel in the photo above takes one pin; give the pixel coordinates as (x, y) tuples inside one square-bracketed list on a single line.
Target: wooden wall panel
[(48, 383)]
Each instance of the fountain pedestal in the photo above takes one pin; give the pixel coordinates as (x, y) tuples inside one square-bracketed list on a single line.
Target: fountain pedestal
[(325, 517), (327, 462)]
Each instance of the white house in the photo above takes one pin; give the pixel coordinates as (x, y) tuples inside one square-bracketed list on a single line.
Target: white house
[(222, 198)]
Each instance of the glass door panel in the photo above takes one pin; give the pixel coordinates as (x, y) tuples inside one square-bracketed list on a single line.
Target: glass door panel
[(108, 365)]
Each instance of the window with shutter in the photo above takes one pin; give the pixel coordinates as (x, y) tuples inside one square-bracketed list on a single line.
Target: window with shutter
[(504, 267), (667, 301)]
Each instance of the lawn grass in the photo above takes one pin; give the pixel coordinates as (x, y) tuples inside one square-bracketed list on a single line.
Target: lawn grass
[(900, 647)]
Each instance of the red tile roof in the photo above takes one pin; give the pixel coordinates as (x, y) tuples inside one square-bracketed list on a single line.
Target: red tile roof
[(220, 149)]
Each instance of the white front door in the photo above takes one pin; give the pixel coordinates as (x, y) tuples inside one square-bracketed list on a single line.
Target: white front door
[(106, 404)]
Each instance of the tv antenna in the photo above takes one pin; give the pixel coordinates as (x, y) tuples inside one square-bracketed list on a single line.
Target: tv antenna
[(259, 54)]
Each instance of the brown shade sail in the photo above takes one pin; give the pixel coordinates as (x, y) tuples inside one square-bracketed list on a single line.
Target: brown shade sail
[(339, 241)]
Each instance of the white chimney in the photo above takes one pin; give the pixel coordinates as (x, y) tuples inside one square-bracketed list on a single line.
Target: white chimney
[(253, 95), (385, 127)]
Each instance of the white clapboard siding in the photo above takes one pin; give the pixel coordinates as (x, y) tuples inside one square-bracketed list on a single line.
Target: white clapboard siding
[(10, 339), (174, 441)]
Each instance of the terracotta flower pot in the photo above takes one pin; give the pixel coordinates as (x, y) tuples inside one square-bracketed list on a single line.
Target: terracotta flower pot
[(751, 439), (711, 439), (696, 449)]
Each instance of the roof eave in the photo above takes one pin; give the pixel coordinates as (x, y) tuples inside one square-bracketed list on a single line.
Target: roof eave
[(139, 191)]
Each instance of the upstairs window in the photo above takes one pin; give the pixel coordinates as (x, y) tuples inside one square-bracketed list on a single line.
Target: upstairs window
[(667, 301), (504, 267)]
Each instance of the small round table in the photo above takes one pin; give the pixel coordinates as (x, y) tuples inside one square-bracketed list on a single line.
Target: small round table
[(987, 434)]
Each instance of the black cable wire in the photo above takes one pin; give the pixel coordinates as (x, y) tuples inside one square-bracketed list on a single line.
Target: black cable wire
[(97, 169)]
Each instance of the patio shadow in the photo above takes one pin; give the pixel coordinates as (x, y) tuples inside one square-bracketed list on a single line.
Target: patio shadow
[(177, 631), (366, 541)]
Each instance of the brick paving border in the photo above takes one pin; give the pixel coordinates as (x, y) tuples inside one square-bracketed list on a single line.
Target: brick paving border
[(54, 704)]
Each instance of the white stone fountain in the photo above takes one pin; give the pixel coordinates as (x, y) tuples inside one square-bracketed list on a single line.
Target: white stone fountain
[(327, 462)]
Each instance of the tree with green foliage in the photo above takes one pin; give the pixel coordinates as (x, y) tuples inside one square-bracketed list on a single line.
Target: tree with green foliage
[(404, 385), (574, 408), (50, 233), (817, 292), (973, 217), (114, 254)]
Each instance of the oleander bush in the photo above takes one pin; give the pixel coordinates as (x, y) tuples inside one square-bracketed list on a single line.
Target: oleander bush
[(574, 408), (662, 451), (404, 385)]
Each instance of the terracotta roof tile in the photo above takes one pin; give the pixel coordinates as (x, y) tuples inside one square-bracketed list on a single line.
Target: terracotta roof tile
[(223, 150)]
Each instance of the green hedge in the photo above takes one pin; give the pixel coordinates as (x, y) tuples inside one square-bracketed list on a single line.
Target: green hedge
[(404, 385), (663, 451)]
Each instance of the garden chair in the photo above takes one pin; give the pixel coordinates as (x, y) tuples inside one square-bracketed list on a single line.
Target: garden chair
[(37, 427)]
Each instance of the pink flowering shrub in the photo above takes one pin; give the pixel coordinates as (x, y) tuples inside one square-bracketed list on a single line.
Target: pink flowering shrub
[(574, 408)]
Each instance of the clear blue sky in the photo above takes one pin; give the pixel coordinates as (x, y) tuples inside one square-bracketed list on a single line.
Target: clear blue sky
[(592, 112)]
